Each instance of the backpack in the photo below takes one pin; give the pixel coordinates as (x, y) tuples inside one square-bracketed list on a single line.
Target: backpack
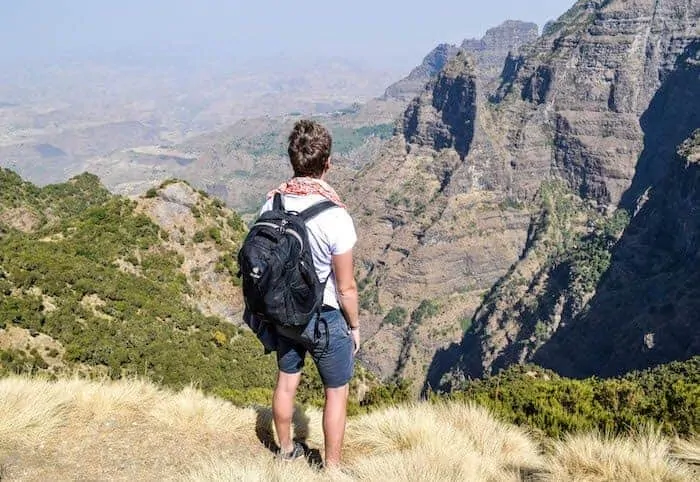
[(278, 276)]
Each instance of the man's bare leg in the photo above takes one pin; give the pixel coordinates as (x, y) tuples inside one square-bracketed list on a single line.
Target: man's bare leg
[(283, 408), (334, 413)]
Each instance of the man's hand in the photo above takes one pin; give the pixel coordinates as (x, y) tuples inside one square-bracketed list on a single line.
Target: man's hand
[(355, 334)]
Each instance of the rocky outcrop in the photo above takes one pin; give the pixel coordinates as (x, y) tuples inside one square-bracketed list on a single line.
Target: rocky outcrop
[(179, 193), (432, 64), (207, 236), (491, 50), (488, 53), (443, 116)]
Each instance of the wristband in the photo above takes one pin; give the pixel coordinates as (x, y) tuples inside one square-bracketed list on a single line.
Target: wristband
[(353, 328)]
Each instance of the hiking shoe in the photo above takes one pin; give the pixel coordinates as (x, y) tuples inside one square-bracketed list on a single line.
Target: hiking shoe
[(297, 451)]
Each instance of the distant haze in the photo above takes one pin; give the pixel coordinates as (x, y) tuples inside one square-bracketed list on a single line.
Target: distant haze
[(391, 34)]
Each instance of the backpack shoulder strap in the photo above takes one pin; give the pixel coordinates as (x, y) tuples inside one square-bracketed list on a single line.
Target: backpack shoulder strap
[(277, 203), (315, 210)]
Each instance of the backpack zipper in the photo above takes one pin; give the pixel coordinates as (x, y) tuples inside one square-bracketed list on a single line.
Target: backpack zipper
[(283, 230)]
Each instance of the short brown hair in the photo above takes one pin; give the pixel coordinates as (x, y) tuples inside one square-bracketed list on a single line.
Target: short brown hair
[(309, 148)]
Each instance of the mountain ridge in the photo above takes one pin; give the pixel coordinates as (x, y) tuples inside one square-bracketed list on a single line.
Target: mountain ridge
[(488, 52), (455, 220)]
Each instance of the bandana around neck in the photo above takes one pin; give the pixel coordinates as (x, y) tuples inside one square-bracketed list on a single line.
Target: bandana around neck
[(303, 186)]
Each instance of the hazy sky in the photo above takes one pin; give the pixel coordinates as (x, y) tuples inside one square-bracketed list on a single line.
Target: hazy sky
[(379, 32)]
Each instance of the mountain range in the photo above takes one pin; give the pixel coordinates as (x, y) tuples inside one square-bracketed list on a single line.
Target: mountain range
[(489, 52), (528, 211), (76, 114), (519, 198), (540, 218)]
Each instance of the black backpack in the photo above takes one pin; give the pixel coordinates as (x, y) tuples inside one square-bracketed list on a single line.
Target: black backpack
[(279, 280)]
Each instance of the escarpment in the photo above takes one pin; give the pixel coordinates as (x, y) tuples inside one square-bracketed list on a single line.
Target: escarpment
[(443, 116), (488, 53), (485, 185)]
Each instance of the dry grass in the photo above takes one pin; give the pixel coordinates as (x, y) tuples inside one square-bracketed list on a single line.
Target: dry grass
[(590, 457), (687, 451), (132, 430), (438, 442), (30, 411)]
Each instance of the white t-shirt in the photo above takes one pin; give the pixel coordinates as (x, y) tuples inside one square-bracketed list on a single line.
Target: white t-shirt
[(330, 233)]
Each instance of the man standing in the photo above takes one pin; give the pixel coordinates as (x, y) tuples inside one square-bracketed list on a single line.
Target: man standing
[(331, 337)]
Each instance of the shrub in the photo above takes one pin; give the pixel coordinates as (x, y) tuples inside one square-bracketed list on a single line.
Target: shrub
[(214, 234), (236, 223), (667, 396), (396, 316), (426, 309), (510, 203)]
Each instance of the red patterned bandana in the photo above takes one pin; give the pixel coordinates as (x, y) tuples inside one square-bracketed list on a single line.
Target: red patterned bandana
[(303, 186)]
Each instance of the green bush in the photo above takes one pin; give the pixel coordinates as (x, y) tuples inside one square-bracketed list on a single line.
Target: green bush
[(396, 316), (466, 323), (18, 361), (236, 223), (397, 391), (426, 309), (510, 203), (214, 234), (667, 396), (369, 295)]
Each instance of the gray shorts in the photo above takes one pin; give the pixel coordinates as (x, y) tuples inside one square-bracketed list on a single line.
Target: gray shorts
[(327, 338)]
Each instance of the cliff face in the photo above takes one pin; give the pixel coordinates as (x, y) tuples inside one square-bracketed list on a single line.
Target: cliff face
[(432, 64), (443, 116), (488, 54), (646, 308), (590, 79), (457, 202), (559, 285), (492, 49)]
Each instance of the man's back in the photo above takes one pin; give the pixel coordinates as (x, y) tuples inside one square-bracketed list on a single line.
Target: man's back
[(330, 233)]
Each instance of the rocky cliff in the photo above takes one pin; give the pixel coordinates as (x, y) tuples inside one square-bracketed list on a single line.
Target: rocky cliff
[(488, 52), (593, 295), (443, 116), (588, 81), (413, 83), (645, 309), (561, 283), (478, 191), (492, 49)]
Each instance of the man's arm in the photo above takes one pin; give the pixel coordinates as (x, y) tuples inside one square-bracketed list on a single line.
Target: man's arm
[(347, 293)]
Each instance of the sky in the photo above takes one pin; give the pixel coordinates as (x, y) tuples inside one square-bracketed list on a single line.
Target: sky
[(376, 32)]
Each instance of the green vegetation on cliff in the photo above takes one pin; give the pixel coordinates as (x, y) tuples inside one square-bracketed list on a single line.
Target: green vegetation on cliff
[(97, 276), (346, 140), (569, 250), (64, 280), (667, 396)]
